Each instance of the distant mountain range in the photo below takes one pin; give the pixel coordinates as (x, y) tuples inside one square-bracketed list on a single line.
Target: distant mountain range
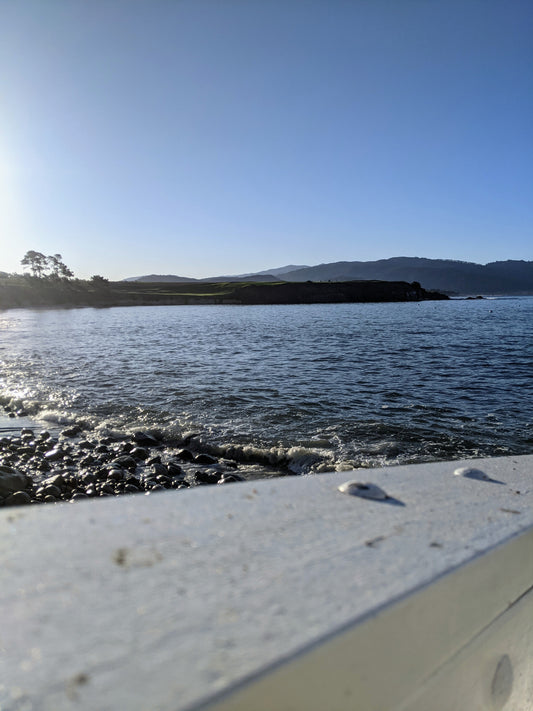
[(445, 275), (267, 275)]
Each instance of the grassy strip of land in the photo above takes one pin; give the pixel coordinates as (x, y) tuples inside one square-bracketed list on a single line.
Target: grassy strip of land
[(32, 292)]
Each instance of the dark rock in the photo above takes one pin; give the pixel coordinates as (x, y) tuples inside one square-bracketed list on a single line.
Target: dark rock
[(206, 477), (204, 459), (185, 455), (159, 469), (18, 498), (154, 460), (56, 480), (101, 449), (73, 431), (131, 489), (50, 491), (139, 453), (78, 496), (229, 463), (49, 499), (145, 439), (12, 481), (115, 475), (101, 474), (88, 460), (85, 444), (125, 461), (110, 439), (44, 435), (22, 451), (174, 469), (54, 455)]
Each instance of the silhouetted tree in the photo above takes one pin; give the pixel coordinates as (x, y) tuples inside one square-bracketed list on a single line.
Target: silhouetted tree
[(39, 264), (61, 268), (36, 262)]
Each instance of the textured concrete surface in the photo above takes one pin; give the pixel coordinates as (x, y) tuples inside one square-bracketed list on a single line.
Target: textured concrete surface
[(167, 601)]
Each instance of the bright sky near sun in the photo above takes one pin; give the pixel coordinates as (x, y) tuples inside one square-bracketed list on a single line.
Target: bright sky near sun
[(199, 137)]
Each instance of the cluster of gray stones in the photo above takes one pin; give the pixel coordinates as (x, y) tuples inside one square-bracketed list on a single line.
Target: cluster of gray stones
[(42, 468)]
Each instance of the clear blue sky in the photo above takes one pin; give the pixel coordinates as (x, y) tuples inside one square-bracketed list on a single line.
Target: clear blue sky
[(200, 137)]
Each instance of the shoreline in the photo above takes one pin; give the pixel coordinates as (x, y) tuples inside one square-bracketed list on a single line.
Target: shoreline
[(41, 293), (66, 463)]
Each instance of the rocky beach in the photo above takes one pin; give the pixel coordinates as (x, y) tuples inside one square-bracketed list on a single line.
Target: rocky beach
[(41, 466)]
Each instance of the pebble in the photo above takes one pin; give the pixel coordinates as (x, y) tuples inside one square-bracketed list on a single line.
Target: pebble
[(52, 455), (18, 498), (206, 477)]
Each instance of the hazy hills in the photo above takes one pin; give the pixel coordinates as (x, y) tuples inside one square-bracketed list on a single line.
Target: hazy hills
[(446, 275), (267, 275)]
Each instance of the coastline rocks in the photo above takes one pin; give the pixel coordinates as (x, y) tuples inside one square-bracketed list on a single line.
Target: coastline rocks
[(37, 468)]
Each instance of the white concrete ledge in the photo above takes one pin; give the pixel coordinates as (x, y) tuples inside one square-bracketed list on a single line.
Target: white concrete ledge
[(276, 594)]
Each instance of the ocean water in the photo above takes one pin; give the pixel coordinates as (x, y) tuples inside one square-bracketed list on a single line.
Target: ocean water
[(309, 387)]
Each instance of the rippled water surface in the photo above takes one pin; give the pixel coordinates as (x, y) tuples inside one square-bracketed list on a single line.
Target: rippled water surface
[(364, 383)]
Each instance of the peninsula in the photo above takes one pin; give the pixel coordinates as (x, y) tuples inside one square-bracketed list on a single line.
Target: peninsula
[(31, 292)]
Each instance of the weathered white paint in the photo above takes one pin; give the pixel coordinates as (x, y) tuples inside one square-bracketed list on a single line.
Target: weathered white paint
[(276, 594)]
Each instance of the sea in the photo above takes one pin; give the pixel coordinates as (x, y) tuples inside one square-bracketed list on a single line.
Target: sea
[(299, 388)]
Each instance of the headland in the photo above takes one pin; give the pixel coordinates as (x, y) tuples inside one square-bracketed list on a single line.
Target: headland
[(31, 292)]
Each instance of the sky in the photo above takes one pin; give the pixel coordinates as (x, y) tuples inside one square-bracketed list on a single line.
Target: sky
[(208, 137)]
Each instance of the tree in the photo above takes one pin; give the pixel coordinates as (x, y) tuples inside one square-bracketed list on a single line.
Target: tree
[(43, 266), (98, 280), (36, 262)]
